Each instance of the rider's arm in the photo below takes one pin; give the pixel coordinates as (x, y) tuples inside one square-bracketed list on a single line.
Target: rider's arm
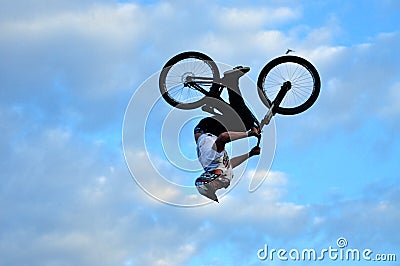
[(227, 137), (241, 158)]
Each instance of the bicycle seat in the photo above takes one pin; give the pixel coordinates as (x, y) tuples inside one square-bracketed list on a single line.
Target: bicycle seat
[(237, 70)]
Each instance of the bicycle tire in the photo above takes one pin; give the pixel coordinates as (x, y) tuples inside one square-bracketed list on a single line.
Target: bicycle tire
[(177, 69), (304, 77)]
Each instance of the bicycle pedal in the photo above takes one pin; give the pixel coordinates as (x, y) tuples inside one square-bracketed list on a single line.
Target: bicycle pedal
[(237, 70)]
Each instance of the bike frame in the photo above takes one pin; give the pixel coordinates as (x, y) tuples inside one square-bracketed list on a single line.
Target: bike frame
[(215, 92)]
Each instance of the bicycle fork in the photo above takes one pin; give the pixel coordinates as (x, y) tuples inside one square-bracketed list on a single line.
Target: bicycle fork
[(279, 98)]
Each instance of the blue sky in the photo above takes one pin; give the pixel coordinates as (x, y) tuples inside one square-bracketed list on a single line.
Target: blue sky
[(69, 70)]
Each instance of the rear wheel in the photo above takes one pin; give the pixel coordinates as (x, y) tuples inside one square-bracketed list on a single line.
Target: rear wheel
[(178, 70), (304, 79)]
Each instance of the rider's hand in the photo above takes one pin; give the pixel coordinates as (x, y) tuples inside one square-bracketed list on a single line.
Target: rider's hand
[(255, 151), (254, 132)]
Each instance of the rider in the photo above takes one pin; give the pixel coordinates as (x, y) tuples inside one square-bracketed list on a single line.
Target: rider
[(212, 133)]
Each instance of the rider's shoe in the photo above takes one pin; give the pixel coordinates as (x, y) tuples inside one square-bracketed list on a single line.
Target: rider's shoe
[(242, 69), (221, 182), (205, 186), (208, 183)]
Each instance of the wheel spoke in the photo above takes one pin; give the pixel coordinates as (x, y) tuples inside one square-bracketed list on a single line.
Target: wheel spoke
[(301, 78), (177, 74)]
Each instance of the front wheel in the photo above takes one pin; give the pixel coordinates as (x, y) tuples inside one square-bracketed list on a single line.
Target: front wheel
[(304, 79), (178, 70)]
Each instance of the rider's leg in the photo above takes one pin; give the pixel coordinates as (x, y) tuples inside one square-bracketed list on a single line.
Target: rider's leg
[(237, 103), (231, 80)]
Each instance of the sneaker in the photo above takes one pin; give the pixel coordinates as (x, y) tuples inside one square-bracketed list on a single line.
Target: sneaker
[(221, 182), (207, 184)]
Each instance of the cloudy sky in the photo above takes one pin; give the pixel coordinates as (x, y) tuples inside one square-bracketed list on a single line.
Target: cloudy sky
[(74, 137)]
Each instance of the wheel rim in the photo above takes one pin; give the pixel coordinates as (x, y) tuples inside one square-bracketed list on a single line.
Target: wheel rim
[(302, 81), (178, 75)]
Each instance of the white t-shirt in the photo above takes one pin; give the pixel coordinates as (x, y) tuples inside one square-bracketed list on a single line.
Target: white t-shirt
[(209, 158)]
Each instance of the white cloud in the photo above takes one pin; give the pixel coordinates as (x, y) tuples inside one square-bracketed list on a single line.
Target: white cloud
[(353, 79), (368, 220), (243, 19), (66, 195), (72, 63), (99, 216), (391, 104)]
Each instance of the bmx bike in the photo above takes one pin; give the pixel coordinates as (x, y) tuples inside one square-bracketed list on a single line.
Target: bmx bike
[(287, 85)]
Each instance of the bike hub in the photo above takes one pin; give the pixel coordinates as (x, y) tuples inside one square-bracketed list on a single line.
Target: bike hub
[(187, 77), (287, 85)]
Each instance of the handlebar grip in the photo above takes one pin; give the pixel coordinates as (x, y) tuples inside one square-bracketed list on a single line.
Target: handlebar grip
[(259, 139)]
